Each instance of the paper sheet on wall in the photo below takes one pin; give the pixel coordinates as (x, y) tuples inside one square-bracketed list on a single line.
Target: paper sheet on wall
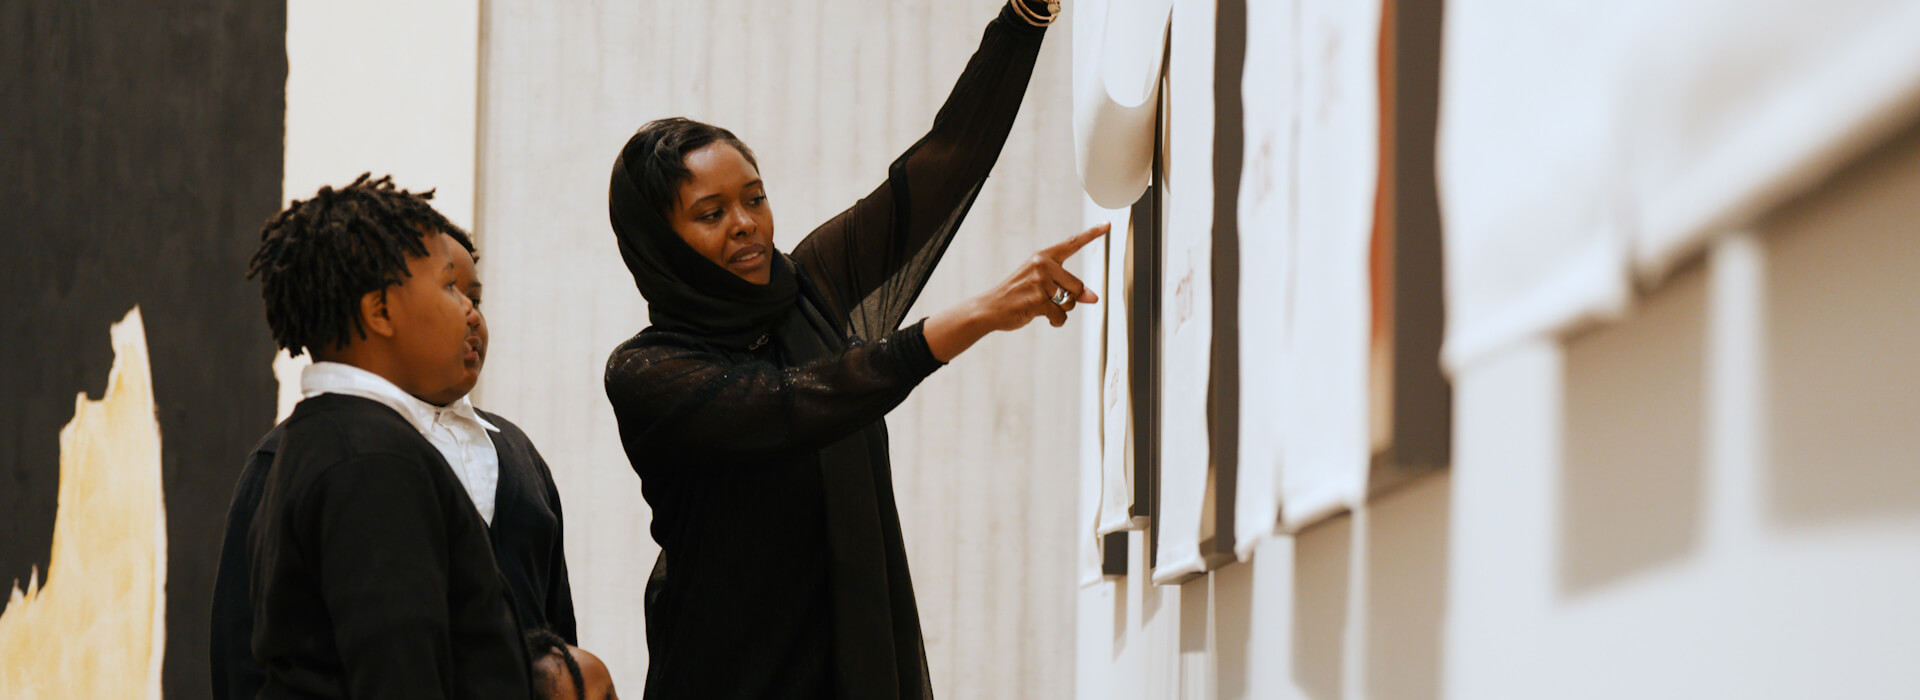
[(1528, 169), (1116, 407), (1734, 106), (1186, 293), (1091, 266), (1116, 75), (1325, 461), (1267, 199)]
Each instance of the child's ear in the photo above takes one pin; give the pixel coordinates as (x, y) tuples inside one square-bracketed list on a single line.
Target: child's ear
[(373, 314)]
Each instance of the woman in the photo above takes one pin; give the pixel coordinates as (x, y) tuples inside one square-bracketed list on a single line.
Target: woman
[(751, 408)]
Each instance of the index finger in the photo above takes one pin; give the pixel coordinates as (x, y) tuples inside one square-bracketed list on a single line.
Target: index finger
[(1059, 252)]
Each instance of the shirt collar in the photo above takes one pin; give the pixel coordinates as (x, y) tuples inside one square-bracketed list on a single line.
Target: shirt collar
[(340, 378)]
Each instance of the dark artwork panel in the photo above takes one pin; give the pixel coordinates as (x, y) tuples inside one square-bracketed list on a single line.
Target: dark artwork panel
[(141, 152)]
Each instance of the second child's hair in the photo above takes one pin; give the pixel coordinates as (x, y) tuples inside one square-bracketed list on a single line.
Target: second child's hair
[(320, 256), (542, 642)]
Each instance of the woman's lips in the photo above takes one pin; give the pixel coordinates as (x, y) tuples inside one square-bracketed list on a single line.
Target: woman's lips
[(749, 256)]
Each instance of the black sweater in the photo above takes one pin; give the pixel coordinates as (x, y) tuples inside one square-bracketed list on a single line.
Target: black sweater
[(527, 532), (372, 574)]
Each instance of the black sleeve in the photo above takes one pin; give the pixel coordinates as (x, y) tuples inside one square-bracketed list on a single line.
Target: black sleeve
[(559, 602), (236, 676), (873, 259), (680, 400), (378, 525)]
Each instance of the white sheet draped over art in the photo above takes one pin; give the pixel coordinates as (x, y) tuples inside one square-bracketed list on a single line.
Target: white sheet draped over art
[(1090, 265), (1117, 54), (1186, 293), (1116, 387), (1325, 454), (1306, 218), (1528, 169), (1580, 144), (1734, 106), (1268, 227)]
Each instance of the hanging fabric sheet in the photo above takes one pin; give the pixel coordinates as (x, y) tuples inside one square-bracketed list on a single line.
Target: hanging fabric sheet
[(1186, 294), (1529, 169), (1116, 76), (1116, 389), (1324, 467), (1268, 204), (1091, 266), (1732, 107)]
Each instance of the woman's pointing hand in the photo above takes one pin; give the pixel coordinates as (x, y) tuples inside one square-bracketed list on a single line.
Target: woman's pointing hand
[(1041, 286)]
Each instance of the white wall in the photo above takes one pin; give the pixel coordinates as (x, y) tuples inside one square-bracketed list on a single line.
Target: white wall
[(1714, 498), (827, 92), (385, 88)]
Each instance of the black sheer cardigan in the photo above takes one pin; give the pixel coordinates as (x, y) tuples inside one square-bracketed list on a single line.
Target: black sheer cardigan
[(729, 443)]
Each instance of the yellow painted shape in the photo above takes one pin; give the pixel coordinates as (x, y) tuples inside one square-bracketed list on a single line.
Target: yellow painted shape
[(96, 628)]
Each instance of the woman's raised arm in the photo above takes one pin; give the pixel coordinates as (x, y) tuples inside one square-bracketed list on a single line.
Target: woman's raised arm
[(873, 259)]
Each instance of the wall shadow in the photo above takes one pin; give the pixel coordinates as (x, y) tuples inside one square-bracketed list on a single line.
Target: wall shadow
[(1321, 571), (1633, 455), (1232, 629), (1196, 662), (1408, 553), (1843, 382)]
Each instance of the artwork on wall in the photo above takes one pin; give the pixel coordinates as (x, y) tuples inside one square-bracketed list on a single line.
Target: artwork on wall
[(1117, 66), (1283, 158), (152, 170), (1716, 106), (1324, 467), (1120, 508), (1268, 209), (1186, 293), (95, 626), (1532, 242)]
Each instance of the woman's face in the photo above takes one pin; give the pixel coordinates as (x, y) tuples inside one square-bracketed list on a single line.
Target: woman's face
[(722, 212)]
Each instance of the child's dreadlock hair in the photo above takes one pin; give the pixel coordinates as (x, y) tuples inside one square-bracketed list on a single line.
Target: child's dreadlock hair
[(540, 643), (320, 256)]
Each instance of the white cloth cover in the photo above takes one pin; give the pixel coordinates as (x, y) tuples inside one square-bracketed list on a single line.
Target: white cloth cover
[(1528, 169), (1117, 50), (1324, 467), (1735, 105), (1186, 324), (1090, 265), (1268, 198), (1116, 407)]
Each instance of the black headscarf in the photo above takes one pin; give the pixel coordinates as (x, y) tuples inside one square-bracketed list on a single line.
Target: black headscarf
[(686, 292)]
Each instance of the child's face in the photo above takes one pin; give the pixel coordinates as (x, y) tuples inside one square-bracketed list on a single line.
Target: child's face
[(468, 276), (436, 329)]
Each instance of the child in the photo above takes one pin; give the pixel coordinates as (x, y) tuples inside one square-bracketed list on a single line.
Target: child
[(371, 569), (503, 472)]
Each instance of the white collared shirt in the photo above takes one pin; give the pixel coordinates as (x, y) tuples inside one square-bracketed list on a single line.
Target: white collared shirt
[(455, 429)]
